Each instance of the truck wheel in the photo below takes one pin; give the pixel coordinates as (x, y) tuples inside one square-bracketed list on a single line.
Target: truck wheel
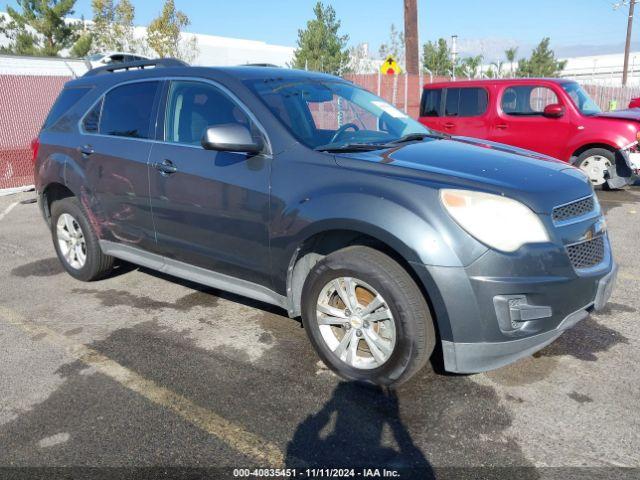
[(76, 243), (594, 163), (366, 317)]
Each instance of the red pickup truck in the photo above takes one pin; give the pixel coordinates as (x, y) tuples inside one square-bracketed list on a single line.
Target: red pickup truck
[(555, 117)]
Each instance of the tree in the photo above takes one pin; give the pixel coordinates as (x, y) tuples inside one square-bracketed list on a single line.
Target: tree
[(320, 47), (113, 28), (469, 66), (542, 63), (510, 55), (394, 47), (82, 47), (164, 34), (39, 28), (437, 57), (359, 61)]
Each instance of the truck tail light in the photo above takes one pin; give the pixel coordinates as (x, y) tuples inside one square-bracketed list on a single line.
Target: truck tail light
[(35, 147)]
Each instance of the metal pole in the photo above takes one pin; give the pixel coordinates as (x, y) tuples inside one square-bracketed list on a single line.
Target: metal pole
[(627, 46), (406, 92), (395, 90), (454, 55)]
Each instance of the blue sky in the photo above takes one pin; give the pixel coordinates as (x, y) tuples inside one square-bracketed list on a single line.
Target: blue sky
[(489, 25)]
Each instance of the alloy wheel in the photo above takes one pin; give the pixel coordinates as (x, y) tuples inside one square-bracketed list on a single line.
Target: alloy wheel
[(356, 323), (71, 241)]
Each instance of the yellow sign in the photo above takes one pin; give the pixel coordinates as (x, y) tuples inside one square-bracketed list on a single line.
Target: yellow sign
[(390, 67)]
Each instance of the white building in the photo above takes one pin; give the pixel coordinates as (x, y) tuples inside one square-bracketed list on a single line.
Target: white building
[(222, 51), (596, 69)]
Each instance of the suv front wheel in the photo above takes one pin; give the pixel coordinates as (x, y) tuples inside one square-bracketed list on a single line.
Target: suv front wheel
[(366, 317), (76, 243)]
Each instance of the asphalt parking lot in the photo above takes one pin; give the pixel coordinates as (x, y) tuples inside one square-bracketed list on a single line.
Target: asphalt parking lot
[(141, 370)]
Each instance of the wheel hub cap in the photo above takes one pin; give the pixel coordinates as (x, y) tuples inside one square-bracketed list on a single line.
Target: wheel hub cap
[(595, 168)]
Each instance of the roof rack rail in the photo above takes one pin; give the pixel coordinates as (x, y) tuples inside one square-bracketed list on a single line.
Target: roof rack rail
[(139, 65)]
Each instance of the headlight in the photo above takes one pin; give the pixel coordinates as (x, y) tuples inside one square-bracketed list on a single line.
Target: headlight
[(499, 222)]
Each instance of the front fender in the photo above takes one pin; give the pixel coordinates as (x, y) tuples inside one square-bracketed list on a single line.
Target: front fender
[(419, 240)]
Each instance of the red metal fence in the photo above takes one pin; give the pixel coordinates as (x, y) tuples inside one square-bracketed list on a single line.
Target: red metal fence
[(26, 99), (24, 103)]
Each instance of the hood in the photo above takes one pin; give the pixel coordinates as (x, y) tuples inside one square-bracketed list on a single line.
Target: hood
[(539, 181), (630, 114)]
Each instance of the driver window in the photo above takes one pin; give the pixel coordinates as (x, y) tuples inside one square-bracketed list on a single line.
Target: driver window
[(192, 107)]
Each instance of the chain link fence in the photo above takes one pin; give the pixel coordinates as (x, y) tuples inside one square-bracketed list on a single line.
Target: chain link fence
[(25, 101), (27, 95)]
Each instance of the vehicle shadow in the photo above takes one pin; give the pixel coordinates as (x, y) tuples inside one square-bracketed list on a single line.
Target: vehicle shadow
[(359, 427)]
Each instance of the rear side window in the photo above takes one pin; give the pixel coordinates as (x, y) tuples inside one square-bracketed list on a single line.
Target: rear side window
[(466, 102), (430, 105), (127, 110), (67, 99)]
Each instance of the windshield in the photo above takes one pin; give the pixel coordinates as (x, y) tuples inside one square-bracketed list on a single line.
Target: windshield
[(332, 114), (581, 99)]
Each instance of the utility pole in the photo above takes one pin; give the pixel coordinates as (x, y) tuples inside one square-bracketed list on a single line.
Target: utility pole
[(627, 46), (412, 53)]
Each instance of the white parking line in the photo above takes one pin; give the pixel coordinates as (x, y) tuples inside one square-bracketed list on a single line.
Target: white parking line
[(232, 434), (7, 210)]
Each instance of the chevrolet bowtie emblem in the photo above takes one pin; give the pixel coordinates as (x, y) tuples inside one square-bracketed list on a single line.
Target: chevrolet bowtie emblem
[(597, 229)]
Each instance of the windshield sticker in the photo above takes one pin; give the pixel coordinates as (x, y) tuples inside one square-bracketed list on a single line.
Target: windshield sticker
[(391, 110)]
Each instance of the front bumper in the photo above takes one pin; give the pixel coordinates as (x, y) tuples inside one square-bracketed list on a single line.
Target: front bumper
[(480, 357), (548, 296)]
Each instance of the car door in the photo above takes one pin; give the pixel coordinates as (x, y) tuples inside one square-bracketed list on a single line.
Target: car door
[(114, 150), (520, 121), (465, 112), (210, 208)]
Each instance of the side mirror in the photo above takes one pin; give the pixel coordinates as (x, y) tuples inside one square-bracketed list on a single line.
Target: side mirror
[(231, 137), (554, 110)]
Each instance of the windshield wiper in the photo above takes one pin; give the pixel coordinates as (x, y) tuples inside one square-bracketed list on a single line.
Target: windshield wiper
[(412, 137), (351, 147)]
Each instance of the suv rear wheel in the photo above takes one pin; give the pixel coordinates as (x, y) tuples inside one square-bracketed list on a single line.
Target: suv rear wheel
[(76, 243), (366, 317)]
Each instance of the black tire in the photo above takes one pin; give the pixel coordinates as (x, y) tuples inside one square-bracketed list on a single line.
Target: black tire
[(415, 333), (602, 152), (97, 264)]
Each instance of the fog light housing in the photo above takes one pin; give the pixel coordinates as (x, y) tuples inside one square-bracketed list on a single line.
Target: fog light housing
[(514, 311)]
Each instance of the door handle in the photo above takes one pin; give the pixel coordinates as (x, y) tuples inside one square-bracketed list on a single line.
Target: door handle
[(166, 167), (502, 126), (449, 125), (86, 150)]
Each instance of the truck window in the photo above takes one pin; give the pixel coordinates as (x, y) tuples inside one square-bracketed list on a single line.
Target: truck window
[(466, 102), (527, 100), (430, 104)]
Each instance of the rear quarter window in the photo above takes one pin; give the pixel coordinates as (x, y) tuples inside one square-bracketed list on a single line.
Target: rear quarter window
[(66, 100), (430, 104)]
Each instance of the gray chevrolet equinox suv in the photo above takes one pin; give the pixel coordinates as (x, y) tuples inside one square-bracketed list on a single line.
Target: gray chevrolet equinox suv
[(305, 191)]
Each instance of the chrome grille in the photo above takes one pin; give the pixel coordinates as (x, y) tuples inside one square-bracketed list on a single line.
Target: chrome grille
[(574, 209), (586, 254)]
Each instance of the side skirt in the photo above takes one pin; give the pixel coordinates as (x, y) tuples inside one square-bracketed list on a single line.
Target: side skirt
[(193, 273)]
